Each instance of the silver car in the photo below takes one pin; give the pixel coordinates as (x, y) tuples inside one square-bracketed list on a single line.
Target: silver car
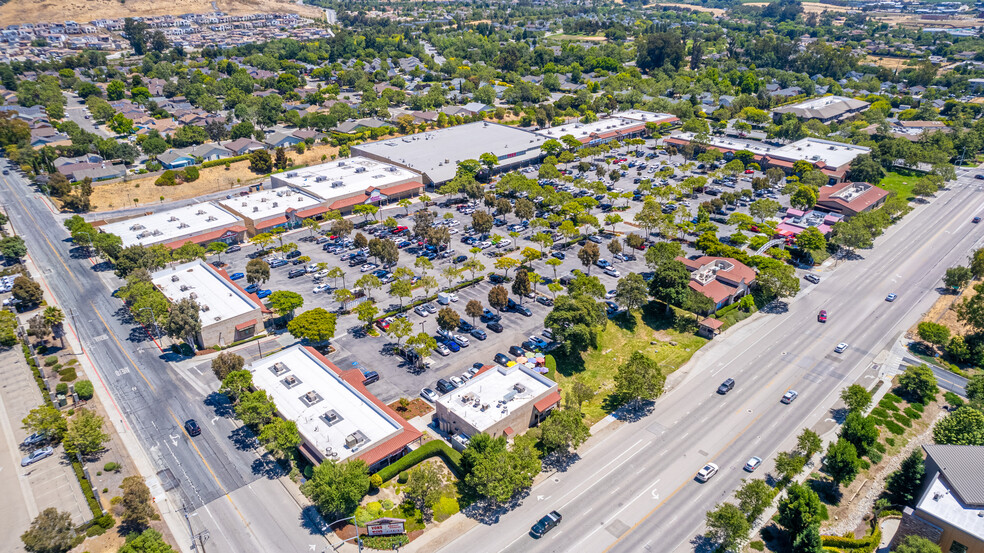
[(37, 456)]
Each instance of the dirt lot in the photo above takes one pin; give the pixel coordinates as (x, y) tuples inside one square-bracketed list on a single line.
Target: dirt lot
[(813, 7), (942, 312), (34, 11), (714, 11), (887, 62), (118, 195)]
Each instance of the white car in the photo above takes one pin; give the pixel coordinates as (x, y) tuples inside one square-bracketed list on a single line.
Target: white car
[(708, 472), (322, 288), (610, 294), (612, 272), (462, 341), (442, 349), (420, 310), (753, 464), (312, 268), (840, 347), (368, 267), (457, 381)]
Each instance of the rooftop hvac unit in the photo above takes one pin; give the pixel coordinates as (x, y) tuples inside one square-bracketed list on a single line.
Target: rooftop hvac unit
[(336, 184), (137, 227), (200, 212), (256, 209), (291, 174), (332, 417), (183, 225), (205, 308), (157, 232), (193, 296), (320, 178), (360, 169), (174, 278), (184, 288), (244, 204), (264, 200), (280, 194), (279, 368), (274, 204), (211, 218), (172, 219), (341, 164)]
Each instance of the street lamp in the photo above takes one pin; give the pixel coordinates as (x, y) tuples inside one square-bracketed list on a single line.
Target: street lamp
[(357, 539)]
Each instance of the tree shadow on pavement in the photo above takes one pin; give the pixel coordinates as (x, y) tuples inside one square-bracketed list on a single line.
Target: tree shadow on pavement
[(489, 512), (703, 544), (243, 439), (219, 403), (267, 467), (312, 521), (559, 462), (632, 411), (776, 307)]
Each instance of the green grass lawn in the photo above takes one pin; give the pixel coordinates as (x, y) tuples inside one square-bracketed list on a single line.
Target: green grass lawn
[(616, 344), (900, 183)]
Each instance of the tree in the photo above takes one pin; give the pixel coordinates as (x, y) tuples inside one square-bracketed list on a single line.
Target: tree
[(904, 484), (183, 321), (400, 328), (865, 168), (148, 541), (224, 363), (474, 309), (280, 436), (84, 435), (754, 496), (589, 255), (936, 334), (778, 280), (917, 544), (447, 319), (13, 247), (260, 162), (257, 271), (860, 431), (314, 325), (671, 283), (27, 291), (188, 252), (975, 389), (977, 263), (423, 344), (284, 302), (494, 472), (236, 383), (631, 291), (654, 51), (808, 541), (919, 383), (425, 486), (789, 464), (46, 420), (842, 462), (498, 297), (800, 509), (337, 488), (856, 397), (218, 248), (52, 531), (575, 321), (135, 503), (563, 431), (727, 527), (521, 284), (481, 222), (255, 408), (120, 124), (965, 426), (576, 393), (763, 209), (639, 378), (804, 198), (957, 277)]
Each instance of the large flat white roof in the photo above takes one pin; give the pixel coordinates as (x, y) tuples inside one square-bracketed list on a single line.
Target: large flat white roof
[(167, 226), (344, 177), (437, 153), (940, 501), (834, 154), (218, 298), (619, 122), (263, 204), (330, 414), (494, 394)]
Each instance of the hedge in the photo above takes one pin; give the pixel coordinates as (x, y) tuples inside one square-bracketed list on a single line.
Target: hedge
[(87, 490), (432, 448), (551, 364), (903, 420), (894, 427), (880, 412), (867, 544), (913, 413), (218, 162)]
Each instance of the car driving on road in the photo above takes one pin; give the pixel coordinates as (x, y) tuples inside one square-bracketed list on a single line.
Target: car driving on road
[(840, 347), (708, 472), (726, 386), (790, 396), (546, 524), (753, 464)]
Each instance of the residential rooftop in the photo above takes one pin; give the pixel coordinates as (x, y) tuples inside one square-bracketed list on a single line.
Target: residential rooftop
[(331, 414), (436, 153), (344, 177), (218, 298), (170, 225), (262, 204), (495, 393), (940, 501)]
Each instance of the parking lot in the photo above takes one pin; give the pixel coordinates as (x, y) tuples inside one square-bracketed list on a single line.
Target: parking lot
[(354, 347)]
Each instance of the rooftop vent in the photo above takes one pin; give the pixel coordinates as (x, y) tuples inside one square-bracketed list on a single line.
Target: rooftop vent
[(290, 381), (183, 288), (174, 278), (137, 227), (200, 212), (205, 308), (172, 219), (320, 178), (256, 209), (278, 368), (332, 417), (310, 398)]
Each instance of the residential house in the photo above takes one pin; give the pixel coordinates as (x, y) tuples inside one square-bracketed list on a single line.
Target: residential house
[(242, 146), (850, 198), (281, 140), (722, 279)]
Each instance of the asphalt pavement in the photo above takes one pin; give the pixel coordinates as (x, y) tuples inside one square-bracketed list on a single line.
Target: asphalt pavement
[(635, 490)]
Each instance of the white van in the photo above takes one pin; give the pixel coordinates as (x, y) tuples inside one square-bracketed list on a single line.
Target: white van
[(444, 298)]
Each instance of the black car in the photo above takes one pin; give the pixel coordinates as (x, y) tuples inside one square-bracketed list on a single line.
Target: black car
[(978, 177), (517, 351), (465, 326), (544, 300), (501, 358), (293, 254), (726, 386), (192, 428), (294, 273), (494, 327), (368, 377), (460, 259), (445, 386), (546, 524), (497, 279)]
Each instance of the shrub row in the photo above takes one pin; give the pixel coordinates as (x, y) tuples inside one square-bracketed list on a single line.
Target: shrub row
[(903, 420), (913, 414), (887, 405), (894, 428), (880, 412), (867, 544), (217, 162), (90, 497), (424, 452), (385, 542)]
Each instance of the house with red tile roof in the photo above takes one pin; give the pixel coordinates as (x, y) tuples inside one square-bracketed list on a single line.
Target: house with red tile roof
[(722, 279), (851, 198)]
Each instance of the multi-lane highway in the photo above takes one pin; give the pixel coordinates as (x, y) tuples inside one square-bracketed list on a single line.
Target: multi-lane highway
[(634, 489), (218, 476)]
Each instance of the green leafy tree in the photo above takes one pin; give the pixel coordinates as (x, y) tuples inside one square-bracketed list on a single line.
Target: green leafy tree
[(135, 502), (917, 544), (447, 319), (255, 408), (85, 434), (498, 297), (52, 531), (575, 322), (934, 333), (842, 462), (671, 284), (754, 497), (971, 310), (957, 277), (727, 526), (284, 302), (639, 378), (46, 420), (800, 509), (226, 362), (315, 325), (778, 280), (236, 383), (809, 443), (965, 426), (260, 162), (366, 312), (13, 247), (856, 397), (789, 464), (808, 541), (919, 383), (400, 329), (904, 484), (425, 487), (280, 436), (563, 431), (183, 321), (631, 292), (148, 541), (337, 488), (860, 431), (27, 291), (496, 473)]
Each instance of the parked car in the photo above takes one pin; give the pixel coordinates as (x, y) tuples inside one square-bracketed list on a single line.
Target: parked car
[(812, 278), (501, 359), (517, 351), (612, 272), (462, 341), (546, 524), (544, 300), (457, 381), (429, 395), (277, 263), (233, 249), (34, 439), (421, 310), (252, 288), (192, 428), (430, 308), (442, 349), (452, 345), (237, 276), (37, 455), (294, 273), (444, 386), (494, 327), (368, 377), (263, 293)]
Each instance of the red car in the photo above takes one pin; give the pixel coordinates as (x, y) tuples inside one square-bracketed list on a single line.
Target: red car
[(749, 171), (822, 317)]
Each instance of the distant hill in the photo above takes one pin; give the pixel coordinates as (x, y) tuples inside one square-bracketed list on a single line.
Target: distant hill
[(81, 11)]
